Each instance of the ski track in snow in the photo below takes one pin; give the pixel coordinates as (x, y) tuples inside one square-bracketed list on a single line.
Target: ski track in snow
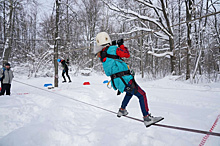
[(45, 119)]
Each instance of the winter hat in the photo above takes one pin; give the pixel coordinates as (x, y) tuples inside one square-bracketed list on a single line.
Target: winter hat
[(102, 39), (58, 60), (7, 64)]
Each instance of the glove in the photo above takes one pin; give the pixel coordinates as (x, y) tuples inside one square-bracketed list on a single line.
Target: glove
[(67, 62), (114, 43), (120, 42)]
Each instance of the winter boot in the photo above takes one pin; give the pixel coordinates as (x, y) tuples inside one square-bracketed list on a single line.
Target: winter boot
[(150, 120), (70, 81), (122, 112), (64, 82)]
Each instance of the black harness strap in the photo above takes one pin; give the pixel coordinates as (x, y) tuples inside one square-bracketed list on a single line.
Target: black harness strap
[(104, 54), (113, 56), (120, 75)]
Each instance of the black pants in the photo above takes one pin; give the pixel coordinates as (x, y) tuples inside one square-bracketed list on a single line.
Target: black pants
[(66, 71), (7, 88)]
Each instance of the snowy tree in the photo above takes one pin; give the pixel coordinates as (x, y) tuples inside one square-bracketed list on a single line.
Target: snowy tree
[(159, 17), (156, 33)]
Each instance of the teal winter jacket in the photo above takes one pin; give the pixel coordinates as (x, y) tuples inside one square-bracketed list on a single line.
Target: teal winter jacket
[(112, 66)]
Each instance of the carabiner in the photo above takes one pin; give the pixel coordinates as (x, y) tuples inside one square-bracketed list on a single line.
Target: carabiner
[(108, 85)]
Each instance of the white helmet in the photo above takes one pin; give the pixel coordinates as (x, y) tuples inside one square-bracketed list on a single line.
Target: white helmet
[(103, 39)]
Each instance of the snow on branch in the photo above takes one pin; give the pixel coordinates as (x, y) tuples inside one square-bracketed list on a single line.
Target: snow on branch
[(132, 31), (165, 37), (148, 4), (131, 12), (138, 58), (164, 49), (137, 29), (59, 1), (128, 18), (162, 36), (160, 55), (50, 46)]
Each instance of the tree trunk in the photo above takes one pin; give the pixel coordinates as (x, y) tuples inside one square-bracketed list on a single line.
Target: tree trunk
[(56, 44), (4, 22), (141, 56), (68, 29), (199, 43), (171, 41), (8, 39), (188, 18), (216, 24), (179, 40)]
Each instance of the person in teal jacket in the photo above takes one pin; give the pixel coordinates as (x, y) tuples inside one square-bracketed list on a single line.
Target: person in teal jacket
[(113, 66), (121, 78)]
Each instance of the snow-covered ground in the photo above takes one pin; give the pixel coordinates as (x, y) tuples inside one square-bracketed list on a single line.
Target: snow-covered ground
[(32, 117)]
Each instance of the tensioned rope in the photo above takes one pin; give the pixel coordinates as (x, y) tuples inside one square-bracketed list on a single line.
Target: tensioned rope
[(139, 120)]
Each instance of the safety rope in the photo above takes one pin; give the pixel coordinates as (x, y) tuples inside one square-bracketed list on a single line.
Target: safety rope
[(139, 120)]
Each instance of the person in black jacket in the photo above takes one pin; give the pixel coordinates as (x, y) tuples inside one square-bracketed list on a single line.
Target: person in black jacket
[(6, 76), (65, 69)]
